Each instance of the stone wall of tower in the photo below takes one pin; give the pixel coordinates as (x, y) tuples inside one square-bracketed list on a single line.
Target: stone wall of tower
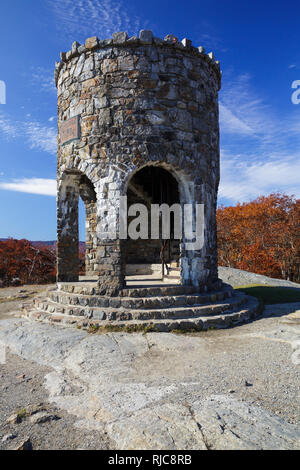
[(139, 101)]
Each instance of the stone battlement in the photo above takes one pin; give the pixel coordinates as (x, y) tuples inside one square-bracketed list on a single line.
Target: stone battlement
[(146, 38)]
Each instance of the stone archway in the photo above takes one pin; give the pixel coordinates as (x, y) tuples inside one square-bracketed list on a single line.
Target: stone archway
[(187, 190), (72, 185), (151, 186), (89, 198)]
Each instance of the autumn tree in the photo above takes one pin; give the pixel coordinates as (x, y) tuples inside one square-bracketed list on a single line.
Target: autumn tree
[(262, 236), (21, 261)]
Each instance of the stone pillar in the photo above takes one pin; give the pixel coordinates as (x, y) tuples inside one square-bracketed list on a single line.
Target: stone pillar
[(111, 266), (67, 229), (91, 238), (110, 248)]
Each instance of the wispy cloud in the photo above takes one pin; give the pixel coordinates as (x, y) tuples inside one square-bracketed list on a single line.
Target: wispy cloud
[(232, 124), (36, 135), (43, 186), (93, 17), (208, 36), (42, 79), (7, 128), (243, 179), (41, 137), (243, 112), (258, 145)]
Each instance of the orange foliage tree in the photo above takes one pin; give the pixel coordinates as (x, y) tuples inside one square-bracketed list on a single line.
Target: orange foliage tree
[(23, 263), (262, 236)]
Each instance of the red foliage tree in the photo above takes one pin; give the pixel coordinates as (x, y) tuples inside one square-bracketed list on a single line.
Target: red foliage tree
[(262, 236), (23, 263)]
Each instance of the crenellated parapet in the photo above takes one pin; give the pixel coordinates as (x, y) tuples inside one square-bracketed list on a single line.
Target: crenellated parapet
[(146, 38)]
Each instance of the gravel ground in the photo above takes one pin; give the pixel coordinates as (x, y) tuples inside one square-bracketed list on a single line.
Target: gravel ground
[(258, 354), (12, 297), (22, 386)]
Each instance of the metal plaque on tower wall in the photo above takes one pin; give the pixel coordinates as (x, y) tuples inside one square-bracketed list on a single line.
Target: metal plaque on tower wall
[(69, 130)]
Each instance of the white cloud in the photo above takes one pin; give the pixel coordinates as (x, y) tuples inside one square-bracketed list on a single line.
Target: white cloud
[(7, 127), (258, 146), (51, 119), (42, 79), (41, 137), (43, 186), (36, 135), (231, 124), (93, 17), (245, 179), (244, 113)]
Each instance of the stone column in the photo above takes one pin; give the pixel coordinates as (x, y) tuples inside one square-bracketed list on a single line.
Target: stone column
[(67, 229), (110, 267), (110, 248), (199, 266), (91, 238)]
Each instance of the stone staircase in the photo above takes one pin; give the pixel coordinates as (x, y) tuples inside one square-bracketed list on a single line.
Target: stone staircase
[(163, 308), (173, 273)]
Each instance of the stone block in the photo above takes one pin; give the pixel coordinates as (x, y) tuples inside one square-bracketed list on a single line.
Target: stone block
[(92, 43), (146, 36), (186, 42), (171, 38), (75, 47), (120, 37)]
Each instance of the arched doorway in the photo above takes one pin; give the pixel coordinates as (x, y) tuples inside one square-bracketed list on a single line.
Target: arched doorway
[(72, 186), (88, 195), (158, 255)]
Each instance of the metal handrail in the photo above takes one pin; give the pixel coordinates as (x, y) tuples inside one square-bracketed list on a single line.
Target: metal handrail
[(163, 262)]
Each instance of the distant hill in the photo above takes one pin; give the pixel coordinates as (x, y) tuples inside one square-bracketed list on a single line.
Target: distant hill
[(50, 243)]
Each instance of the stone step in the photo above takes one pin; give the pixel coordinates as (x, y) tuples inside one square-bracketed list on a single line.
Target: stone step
[(137, 302), (91, 288), (174, 273), (247, 312), (121, 314)]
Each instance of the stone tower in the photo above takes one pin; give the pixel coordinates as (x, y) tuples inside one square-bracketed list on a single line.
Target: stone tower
[(138, 120), (128, 109)]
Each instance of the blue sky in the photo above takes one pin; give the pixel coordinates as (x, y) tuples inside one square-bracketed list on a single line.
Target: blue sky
[(258, 46)]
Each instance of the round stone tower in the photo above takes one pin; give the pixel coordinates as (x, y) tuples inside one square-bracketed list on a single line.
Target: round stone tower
[(138, 129), (136, 116)]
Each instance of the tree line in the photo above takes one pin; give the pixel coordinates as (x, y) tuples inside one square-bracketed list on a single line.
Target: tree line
[(261, 236), (24, 262)]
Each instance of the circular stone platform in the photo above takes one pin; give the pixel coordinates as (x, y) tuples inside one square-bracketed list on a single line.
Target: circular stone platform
[(155, 307)]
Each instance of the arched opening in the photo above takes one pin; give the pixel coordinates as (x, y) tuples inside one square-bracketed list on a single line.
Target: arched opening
[(158, 255), (73, 187), (82, 236), (88, 196)]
